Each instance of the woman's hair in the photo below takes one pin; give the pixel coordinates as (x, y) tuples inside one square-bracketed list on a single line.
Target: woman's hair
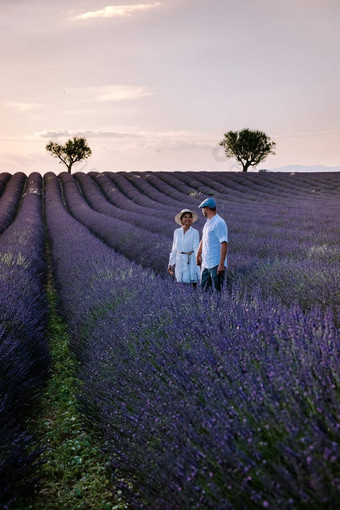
[(186, 212)]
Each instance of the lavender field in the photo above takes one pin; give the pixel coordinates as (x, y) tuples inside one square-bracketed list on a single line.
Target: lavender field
[(204, 401)]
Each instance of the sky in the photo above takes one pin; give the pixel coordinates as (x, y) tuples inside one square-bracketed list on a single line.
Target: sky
[(154, 85)]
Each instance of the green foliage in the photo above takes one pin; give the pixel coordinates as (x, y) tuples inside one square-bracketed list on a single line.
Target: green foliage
[(248, 147), (74, 474), (73, 151)]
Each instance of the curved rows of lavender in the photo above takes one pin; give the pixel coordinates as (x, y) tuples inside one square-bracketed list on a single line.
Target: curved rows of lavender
[(198, 398), (24, 357), (113, 194), (134, 242), (204, 401), (10, 199), (286, 247), (4, 178), (98, 201)]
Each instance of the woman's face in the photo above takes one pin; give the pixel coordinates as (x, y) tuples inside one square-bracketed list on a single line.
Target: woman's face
[(186, 220)]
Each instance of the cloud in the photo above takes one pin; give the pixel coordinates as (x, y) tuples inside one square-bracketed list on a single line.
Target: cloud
[(24, 162), (117, 93), (155, 141), (24, 107), (184, 146), (120, 11), (160, 144), (86, 133), (54, 134), (110, 93)]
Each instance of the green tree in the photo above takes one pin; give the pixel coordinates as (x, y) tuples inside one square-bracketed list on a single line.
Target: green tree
[(248, 147), (73, 151)]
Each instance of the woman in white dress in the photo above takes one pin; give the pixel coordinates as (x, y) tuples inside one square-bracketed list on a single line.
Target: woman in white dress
[(184, 249)]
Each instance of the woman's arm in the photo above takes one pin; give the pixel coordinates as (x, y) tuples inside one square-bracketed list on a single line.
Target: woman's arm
[(172, 257), (196, 241)]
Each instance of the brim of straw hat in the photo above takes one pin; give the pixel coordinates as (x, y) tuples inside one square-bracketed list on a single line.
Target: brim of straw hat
[(178, 216)]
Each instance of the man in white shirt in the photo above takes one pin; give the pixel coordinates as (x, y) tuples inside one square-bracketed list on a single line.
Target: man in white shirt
[(212, 251)]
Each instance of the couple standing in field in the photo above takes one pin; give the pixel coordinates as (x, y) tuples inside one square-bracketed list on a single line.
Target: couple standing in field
[(196, 260)]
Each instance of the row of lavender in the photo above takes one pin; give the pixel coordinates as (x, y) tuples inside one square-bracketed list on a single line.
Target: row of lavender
[(154, 215), (205, 401), (11, 193), (288, 247), (24, 357)]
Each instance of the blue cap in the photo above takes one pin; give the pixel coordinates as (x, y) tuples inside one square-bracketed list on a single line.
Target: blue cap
[(208, 202)]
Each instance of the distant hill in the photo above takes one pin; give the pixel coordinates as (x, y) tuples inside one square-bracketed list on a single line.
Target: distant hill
[(303, 168)]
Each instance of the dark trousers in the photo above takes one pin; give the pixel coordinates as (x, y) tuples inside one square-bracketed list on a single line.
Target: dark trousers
[(211, 280)]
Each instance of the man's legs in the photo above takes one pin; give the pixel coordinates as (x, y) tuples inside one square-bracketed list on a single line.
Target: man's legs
[(217, 279), (206, 281), (210, 278)]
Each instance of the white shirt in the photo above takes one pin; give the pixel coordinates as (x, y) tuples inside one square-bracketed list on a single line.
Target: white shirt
[(215, 232), (184, 271)]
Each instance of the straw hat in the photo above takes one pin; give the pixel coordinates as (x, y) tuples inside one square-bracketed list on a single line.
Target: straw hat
[(183, 211)]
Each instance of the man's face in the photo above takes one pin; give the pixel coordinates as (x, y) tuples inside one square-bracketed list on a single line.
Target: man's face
[(205, 211)]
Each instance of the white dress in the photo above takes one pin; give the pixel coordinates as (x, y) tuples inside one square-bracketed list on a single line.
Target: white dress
[(186, 269)]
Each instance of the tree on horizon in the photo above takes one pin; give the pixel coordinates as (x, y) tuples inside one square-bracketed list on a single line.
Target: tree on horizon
[(248, 147), (73, 151)]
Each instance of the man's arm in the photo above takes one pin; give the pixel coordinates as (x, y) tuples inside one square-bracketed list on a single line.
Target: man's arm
[(199, 254), (224, 249)]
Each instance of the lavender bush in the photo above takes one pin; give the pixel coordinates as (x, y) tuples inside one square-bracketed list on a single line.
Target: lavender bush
[(285, 247), (134, 242), (205, 401), (24, 358), (116, 197), (128, 186), (217, 410), (146, 219), (157, 189), (197, 188), (119, 200), (4, 178), (9, 200)]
